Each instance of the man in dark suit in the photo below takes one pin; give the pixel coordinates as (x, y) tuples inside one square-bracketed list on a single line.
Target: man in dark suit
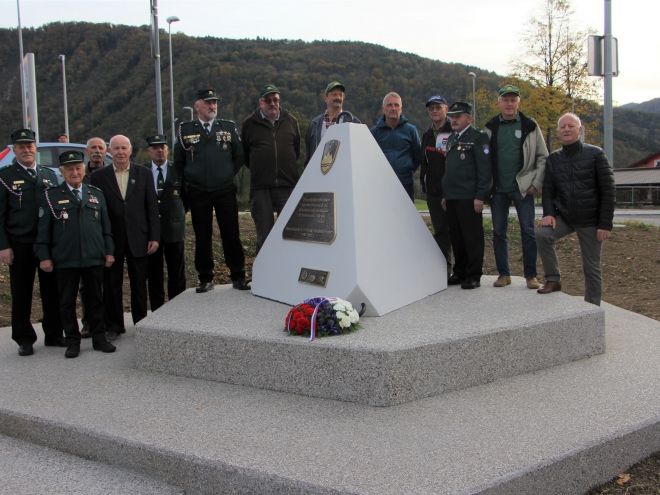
[(133, 209), (21, 183), (172, 226)]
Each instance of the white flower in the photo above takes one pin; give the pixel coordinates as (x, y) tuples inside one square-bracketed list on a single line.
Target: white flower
[(343, 321), (348, 305), (353, 316), (339, 306)]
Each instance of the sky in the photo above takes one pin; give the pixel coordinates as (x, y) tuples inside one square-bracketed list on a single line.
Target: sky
[(487, 35)]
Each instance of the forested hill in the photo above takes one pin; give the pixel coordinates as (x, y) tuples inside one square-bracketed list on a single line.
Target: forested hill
[(111, 90), (110, 78)]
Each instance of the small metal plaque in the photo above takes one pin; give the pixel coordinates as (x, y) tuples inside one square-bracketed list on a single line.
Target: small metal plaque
[(313, 220), (329, 156), (313, 277)]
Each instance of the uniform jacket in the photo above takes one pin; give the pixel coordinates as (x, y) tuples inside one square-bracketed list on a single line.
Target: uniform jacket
[(433, 162), (468, 174), (313, 134), (579, 185), (208, 162), (134, 220), (400, 145), (271, 151), (534, 153), (73, 234), (19, 217), (170, 206)]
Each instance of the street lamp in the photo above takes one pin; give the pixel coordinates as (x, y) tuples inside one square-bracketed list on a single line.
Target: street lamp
[(155, 53), (66, 110), (23, 81), (474, 96), (170, 20), (189, 109)]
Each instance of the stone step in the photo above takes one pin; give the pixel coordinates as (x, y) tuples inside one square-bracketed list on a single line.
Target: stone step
[(558, 430), (449, 341), (30, 468)]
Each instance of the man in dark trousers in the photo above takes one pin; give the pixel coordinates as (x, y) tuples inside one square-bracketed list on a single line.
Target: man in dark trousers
[(21, 184), (207, 156), (133, 210), (271, 144), (75, 242), (172, 226), (434, 148), (466, 184)]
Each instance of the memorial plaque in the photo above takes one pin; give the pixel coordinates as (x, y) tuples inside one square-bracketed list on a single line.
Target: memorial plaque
[(313, 277), (313, 220)]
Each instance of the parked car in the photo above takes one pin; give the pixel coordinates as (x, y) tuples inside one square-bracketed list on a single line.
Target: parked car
[(48, 155)]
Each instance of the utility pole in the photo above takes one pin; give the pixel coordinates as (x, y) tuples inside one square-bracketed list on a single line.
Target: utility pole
[(474, 97), (155, 53), (23, 81), (66, 107), (608, 113), (170, 20)]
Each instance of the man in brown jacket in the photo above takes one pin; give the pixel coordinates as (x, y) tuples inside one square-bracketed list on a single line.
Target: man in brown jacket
[(271, 144)]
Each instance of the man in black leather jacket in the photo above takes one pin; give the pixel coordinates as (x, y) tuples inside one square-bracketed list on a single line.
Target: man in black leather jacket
[(578, 196)]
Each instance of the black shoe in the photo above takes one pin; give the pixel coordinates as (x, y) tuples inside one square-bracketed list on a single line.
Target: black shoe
[(204, 287), (59, 342), (25, 350), (110, 336), (240, 284), (72, 351), (84, 333), (470, 284), (455, 280), (104, 346)]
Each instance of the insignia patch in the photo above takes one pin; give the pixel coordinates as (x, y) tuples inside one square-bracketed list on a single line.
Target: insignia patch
[(329, 155), (41, 212), (62, 201), (486, 149), (132, 181), (518, 133)]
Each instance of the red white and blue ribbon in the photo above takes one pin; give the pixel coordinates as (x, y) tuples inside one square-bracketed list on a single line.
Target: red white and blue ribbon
[(312, 329)]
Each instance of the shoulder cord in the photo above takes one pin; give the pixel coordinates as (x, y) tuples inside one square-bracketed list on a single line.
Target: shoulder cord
[(19, 194), (64, 214), (191, 148)]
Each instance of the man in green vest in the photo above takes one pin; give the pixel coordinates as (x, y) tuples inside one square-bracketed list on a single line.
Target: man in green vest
[(21, 184), (74, 240)]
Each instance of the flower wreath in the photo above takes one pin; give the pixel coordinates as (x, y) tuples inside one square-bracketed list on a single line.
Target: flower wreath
[(322, 317)]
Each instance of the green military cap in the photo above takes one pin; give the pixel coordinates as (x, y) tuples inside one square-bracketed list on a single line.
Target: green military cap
[(206, 94), (23, 136), (333, 85), (157, 139), (70, 157), (509, 88), (268, 88), (460, 107)]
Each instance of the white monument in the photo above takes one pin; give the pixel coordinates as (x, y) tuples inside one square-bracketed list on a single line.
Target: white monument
[(349, 230)]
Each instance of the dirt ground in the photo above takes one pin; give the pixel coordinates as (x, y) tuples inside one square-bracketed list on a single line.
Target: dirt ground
[(631, 280)]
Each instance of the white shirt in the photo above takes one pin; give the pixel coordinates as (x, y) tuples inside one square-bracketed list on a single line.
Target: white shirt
[(74, 189), (461, 133), (154, 170)]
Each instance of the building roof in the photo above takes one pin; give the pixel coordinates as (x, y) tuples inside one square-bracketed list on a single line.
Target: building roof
[(637, 176), (644, 160)]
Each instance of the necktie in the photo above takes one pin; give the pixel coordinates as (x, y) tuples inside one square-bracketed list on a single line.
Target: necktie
[(76, 193), (206, 127), (161, 181), (32, 173)]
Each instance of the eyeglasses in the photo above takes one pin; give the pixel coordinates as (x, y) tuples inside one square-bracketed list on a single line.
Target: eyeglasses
[(271, 100), (436, 108)]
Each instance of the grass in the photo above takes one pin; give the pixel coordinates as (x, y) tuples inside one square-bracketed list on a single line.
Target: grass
[(420, 204)]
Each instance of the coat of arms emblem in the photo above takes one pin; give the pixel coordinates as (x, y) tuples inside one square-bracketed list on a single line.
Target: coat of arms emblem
[(329, 155)]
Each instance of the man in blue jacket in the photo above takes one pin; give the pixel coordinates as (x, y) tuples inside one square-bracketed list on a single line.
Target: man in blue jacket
[(399, 141)]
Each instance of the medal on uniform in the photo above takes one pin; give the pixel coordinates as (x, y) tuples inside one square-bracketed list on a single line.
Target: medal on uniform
[(462, 156), (96, 213), (65, 217), (224, 146)]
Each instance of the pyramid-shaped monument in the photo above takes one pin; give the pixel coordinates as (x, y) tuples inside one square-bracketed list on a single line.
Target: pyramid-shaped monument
[(349, 230)]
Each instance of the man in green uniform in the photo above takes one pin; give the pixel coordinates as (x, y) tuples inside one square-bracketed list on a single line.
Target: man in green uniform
[(172, 226), (20, 185), (208, 155), (74, 240), (465, 185)]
